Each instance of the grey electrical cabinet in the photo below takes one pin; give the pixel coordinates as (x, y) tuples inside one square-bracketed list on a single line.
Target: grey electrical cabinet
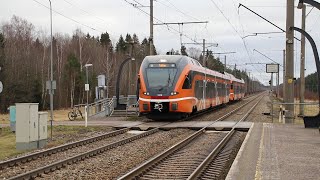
[(42, 131), (26, 126)]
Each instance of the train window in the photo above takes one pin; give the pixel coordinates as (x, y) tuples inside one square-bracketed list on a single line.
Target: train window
[(199, 89), (187, 84), (161, 77), (231, 86)]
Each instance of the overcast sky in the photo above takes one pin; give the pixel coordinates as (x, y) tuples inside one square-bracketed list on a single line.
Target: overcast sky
[(227, 24)]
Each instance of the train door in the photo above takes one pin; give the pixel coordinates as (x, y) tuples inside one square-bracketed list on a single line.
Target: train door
[(226, 95)]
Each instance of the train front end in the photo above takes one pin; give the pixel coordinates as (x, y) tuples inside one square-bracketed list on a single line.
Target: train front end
[(159, 94)]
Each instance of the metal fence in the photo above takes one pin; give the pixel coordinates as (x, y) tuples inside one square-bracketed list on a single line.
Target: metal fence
[(278, 110), (105, 107)]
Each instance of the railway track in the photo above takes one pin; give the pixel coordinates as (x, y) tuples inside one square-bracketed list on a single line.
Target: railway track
[(200, 155), (54, 150), (58, 162)]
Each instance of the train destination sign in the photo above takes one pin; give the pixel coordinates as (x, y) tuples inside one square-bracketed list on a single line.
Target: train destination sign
[(162, 65), (272, 68)]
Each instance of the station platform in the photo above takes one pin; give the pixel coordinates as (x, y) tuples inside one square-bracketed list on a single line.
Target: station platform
[(278, 151)]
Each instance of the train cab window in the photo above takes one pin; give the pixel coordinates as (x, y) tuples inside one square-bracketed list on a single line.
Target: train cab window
[(161, 77), (231, 86), (187, 84)]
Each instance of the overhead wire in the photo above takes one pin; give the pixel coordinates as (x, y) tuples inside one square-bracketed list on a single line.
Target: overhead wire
[(78, 22), (237, 32), (177, 9), (160, 21), (87, 12)]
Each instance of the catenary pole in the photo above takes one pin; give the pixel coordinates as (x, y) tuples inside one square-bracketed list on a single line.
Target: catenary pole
[(151, 27), (51, 72), (302, 63), (289, 62)]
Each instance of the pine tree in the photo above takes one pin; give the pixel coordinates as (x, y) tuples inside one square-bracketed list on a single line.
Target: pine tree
[(121, 45), (105, 39)]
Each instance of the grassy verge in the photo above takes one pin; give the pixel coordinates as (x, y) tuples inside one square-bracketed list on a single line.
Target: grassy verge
[(8, 143), (61, 135)]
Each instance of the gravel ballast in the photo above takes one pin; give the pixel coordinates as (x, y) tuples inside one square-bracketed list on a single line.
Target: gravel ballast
[(120, 160)]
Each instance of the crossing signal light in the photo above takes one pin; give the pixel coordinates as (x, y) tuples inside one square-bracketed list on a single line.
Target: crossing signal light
[(270, 82)]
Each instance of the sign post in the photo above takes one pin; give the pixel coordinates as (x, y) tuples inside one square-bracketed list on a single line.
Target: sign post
[(272, 68)]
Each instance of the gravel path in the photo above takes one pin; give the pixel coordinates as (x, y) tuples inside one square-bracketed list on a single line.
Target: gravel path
[(263, 107), (120, 160)]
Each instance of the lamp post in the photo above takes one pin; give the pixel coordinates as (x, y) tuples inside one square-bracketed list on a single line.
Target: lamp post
[(87, 88)]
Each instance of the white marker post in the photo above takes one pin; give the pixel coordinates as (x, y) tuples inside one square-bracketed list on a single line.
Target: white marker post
[(85, 116)]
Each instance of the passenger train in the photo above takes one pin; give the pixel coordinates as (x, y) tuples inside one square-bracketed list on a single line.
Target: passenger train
[(174, 87)]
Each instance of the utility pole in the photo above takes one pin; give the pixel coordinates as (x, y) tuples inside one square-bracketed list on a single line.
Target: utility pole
[(204, 53), (51, 83), (271, 84), (225, 63), (225, 58), (278, 83), (151, 28), (204, 48), (302, 65), (284, 76), (289, 62), (249, 80)]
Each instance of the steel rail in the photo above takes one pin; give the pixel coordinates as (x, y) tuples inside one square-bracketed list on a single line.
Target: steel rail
[(138, 171), (57, 165), (197, 172), (60, 148)]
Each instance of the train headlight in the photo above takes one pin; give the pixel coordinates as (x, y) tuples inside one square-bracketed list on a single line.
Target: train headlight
[(146, 93), (174, 93)]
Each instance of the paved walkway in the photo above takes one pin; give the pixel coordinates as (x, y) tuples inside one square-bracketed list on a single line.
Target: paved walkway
[(278, 151)]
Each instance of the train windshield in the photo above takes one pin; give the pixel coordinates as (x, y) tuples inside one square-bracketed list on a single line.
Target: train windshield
[(161, 77)]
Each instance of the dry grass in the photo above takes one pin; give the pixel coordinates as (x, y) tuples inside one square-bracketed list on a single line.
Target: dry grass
[(8, 144), (58, 115), (4, 119), (309, 110), (61, 135)]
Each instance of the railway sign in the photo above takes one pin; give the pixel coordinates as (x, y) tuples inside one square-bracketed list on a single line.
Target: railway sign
[(272, 68), (1, 86)]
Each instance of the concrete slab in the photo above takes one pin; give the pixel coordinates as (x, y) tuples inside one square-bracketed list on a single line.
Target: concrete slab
[(243, 126), (182, 124), (222, 125), (111, 123), (200, 124), (150, 125), (278, 151)]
